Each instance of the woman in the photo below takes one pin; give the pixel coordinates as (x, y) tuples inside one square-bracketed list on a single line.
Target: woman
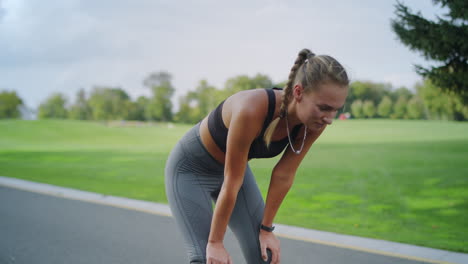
[(210, 163)]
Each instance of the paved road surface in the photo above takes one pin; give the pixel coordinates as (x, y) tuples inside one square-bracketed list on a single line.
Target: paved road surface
[(42, 229)]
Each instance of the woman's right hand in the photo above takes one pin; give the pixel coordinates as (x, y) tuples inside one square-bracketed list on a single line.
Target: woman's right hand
[(217, 254)]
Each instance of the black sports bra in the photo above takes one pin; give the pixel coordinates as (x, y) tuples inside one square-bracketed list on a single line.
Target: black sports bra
[(258, 149)]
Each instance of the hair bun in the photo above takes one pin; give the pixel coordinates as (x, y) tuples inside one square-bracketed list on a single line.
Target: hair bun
[(304, 53)]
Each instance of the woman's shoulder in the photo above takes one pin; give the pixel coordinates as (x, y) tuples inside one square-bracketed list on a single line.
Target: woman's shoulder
[(247, 107), (249, 102)]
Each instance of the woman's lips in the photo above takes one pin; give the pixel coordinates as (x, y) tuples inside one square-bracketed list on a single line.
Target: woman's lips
[(319, 124)]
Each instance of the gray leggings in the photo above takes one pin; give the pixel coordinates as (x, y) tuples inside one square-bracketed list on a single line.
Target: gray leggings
[(193, 181)]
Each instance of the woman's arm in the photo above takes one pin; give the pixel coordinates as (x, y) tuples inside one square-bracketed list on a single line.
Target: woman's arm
[(283, 175), (281, 181), (245, 123)]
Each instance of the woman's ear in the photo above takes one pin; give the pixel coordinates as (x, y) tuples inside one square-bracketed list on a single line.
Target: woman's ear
[(298, 92)]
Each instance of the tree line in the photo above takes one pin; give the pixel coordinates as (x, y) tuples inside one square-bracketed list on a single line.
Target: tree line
[(365, 100)]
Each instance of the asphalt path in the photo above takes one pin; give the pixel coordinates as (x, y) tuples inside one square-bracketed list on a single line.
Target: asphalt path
[(42, 229)]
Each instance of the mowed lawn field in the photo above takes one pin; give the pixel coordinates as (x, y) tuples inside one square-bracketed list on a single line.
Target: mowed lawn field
[(404, 181)]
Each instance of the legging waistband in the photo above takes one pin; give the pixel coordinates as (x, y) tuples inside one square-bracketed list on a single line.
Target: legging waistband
[(194, 150)]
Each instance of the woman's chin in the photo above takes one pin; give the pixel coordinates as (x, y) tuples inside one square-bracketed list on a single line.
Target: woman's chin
[(316, 126)]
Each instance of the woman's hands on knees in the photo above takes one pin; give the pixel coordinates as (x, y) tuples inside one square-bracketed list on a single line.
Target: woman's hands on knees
[(217, 254), (269, 240)]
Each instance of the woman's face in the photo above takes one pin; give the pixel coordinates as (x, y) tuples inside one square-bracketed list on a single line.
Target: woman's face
[(318, 108)]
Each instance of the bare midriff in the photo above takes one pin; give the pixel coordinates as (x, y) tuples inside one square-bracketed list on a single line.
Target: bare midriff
[(209, 143)]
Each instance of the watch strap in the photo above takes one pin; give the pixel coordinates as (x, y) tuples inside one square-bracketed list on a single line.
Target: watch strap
[(267, 228)]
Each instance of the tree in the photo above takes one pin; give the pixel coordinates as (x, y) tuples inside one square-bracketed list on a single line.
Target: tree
[(399, 108), (206, 97), (81, 109), (368, 109), (443, 41), (439, 104), (368, 91), (244, 82), (365, 90), (201, 101), (108, 103), (280, 84), (53, 107), (356, 109), (400, 92), (415, 108), (9, 105), (141, 104), (188, 111), (132, 111), (385, 107), (160, 105), (261, 81)]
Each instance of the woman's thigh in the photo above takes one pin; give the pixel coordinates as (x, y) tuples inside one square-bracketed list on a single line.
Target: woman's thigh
[(191, 206)]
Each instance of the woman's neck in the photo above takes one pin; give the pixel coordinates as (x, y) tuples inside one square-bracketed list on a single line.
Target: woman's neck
[(293, 120)]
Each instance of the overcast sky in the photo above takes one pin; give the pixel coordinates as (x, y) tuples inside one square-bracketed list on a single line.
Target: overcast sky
[(63, 45)]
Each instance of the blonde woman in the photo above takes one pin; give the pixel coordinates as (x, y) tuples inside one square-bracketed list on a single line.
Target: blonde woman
[(210, 163)]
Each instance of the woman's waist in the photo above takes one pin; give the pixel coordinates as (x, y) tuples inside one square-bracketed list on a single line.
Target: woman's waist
[(209, 144), (195, 151)]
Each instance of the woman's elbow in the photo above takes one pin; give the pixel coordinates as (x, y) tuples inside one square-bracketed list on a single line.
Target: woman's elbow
[(286, 179)]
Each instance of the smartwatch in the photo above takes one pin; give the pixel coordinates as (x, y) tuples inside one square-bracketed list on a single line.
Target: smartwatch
[(267, 228)]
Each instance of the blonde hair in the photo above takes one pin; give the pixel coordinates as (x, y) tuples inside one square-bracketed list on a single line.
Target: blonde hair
[(310, 71)]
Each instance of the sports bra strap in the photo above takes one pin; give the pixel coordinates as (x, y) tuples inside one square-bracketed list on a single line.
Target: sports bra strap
[(271, 109)]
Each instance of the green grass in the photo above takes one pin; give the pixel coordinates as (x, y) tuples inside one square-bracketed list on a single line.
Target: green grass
[(404, 181)]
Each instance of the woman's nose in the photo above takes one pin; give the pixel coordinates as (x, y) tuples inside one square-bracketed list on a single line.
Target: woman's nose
[(328, 117), (327, 120)]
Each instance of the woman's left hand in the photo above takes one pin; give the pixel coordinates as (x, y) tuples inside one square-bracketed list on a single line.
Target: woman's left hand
[(269, 240)]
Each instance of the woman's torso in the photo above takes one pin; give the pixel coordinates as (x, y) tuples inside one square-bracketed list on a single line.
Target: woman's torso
[(260, 102)]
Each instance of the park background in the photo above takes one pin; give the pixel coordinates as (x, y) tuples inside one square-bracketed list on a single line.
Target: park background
[(94, 95)]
